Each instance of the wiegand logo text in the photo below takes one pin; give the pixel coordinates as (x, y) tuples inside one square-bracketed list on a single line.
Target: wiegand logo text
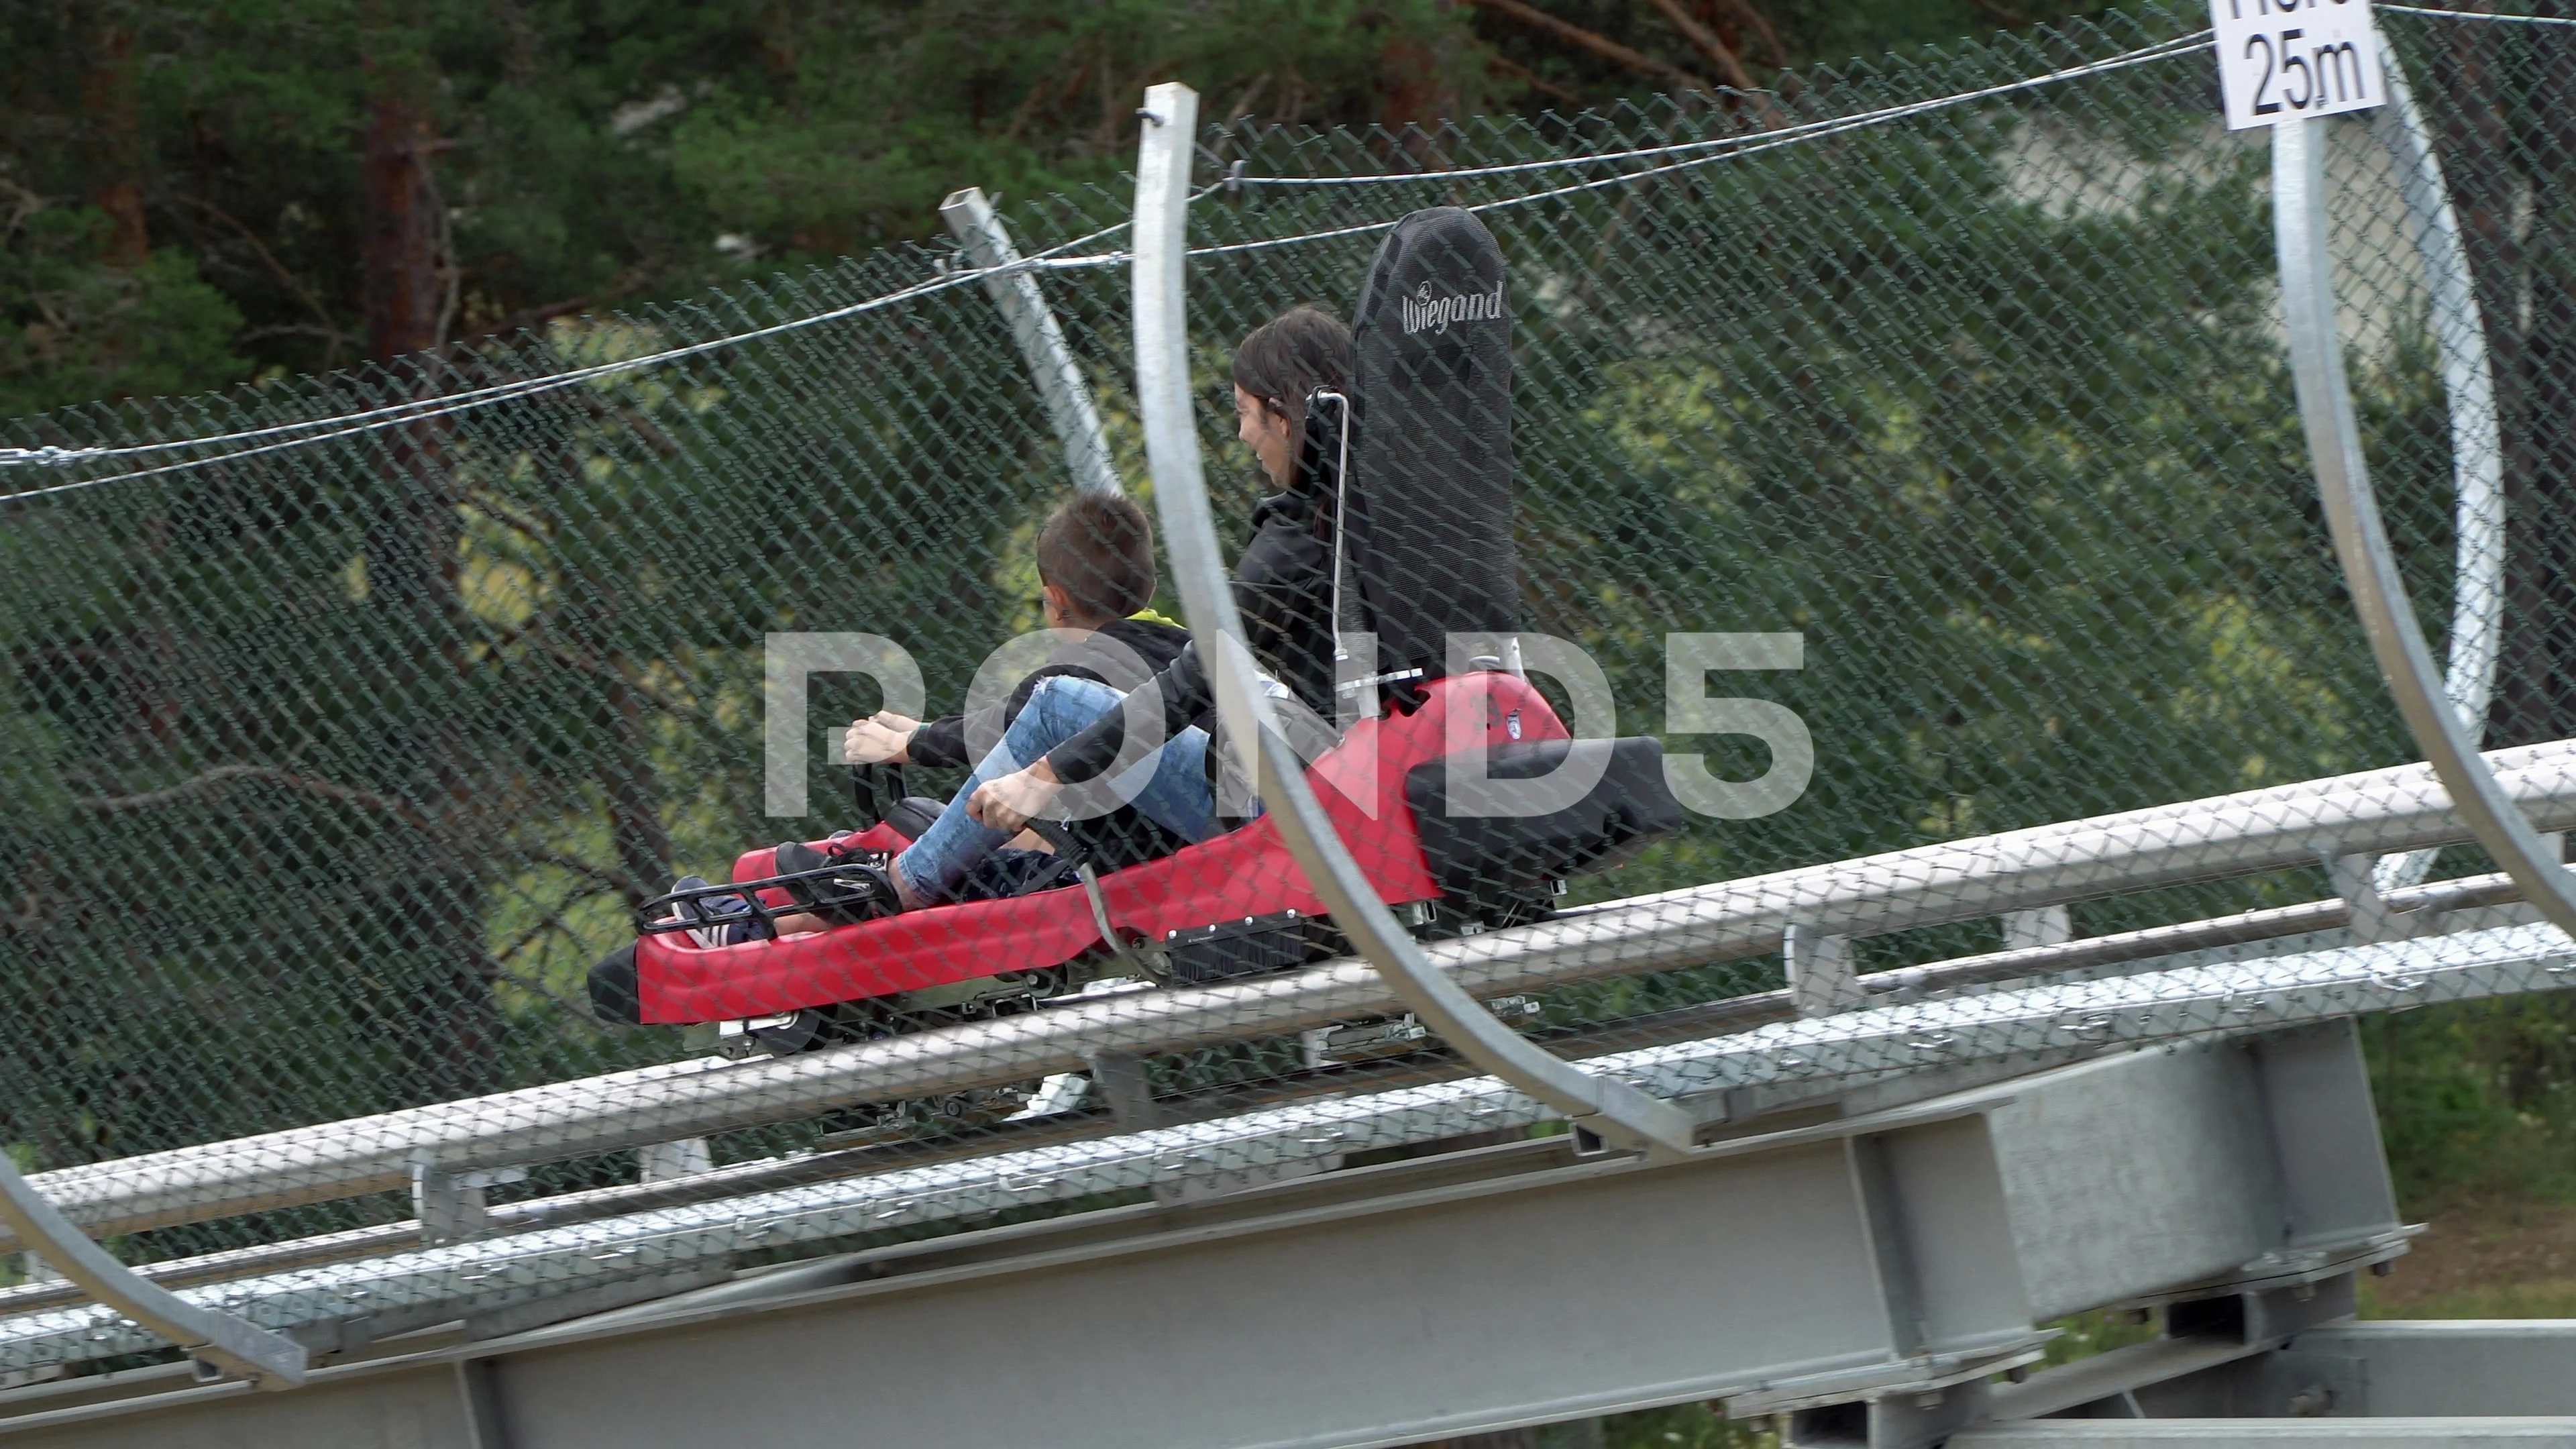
[(1424, 312)]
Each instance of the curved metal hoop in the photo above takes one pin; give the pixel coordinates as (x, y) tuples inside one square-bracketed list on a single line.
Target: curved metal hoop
[(211, 1336), (1614, 1109), (2361, 538), (2477, 445)]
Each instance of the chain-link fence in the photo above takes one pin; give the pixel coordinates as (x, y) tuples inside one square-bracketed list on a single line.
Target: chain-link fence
[(1941, 407)]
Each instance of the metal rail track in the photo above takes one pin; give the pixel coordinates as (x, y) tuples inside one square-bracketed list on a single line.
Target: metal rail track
[(2377, 812)]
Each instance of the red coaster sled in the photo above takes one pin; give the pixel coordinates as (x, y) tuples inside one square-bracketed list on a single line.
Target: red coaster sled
[(1246, 873)]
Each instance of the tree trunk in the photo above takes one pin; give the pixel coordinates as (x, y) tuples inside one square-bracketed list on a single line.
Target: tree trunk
[(449, 1022), (116, 141), (643, 844), (401, 260)]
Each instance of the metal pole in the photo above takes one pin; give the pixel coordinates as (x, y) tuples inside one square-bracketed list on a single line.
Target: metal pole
[(1613, 1109), (266, 1359), (2361, 539), (1068, 401), (2477, 447)]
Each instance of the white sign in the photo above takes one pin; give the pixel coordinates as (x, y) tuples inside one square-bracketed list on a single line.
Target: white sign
[(2285, 60)]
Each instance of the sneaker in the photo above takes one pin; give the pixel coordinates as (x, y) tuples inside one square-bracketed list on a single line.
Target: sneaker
[(729, 919), (853, 892)]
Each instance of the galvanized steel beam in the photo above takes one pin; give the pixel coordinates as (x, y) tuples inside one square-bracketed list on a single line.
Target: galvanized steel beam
[(2465, 1366), (2167, 1133), (2378, 811), (1898, 1256)]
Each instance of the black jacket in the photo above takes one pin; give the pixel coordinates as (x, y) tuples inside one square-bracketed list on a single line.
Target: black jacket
[(1149, 646), (1283, 590)]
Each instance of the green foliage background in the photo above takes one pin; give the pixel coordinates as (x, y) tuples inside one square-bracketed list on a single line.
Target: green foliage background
[(599, 151), (326, 773)]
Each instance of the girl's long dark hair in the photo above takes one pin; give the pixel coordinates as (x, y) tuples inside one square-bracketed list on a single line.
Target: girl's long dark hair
[(1291, 355)]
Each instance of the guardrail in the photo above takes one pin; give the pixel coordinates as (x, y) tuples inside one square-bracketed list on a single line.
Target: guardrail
[(689, 1246), (2371, 813), (2244, 932)]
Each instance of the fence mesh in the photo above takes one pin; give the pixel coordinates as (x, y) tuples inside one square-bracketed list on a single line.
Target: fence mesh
[(337, 750)]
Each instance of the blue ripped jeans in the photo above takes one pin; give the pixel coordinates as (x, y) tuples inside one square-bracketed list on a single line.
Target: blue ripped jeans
[(1168, 787)]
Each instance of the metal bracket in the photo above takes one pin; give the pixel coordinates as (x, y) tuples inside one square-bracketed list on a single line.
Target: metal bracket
[(2372, 919), (1119, 1077), (1924, 1374), (1915, 1419), (216, 1340), (2266, 1315), (664, 1161), (987, 243), (1821, 979), (1164, 392), (2039, 926), (450, 1204), (2314, 1385), (478, 1394)]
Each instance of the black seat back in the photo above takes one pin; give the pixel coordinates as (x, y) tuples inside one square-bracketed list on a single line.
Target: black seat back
[(1429, 528)]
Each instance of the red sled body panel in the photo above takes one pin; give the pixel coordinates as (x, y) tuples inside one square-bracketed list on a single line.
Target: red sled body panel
[(1245, 872)]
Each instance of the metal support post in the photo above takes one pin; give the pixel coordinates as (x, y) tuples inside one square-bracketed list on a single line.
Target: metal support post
[(478, 1392), (1120, 1079), (2371, 917), (1614, 1109), (450, 1204), (226, 1343), (2361, 539), (987, 243), (2039, 926), (1821, 981), (669, 1161)]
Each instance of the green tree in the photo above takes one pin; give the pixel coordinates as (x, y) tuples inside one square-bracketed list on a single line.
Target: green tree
[(570, 156), (75, 327)]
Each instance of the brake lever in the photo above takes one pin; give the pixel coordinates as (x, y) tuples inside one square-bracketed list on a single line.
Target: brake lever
[(1144, 960)]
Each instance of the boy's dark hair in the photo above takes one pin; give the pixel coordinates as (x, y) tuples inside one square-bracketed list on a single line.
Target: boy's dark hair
[(1291, 355), (1099, 549)]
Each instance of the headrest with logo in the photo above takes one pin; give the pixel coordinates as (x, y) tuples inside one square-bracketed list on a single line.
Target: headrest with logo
[(1430, 527)]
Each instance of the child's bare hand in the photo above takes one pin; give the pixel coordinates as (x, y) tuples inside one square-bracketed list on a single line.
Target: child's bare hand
[(1010, 802), (883, 738)]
